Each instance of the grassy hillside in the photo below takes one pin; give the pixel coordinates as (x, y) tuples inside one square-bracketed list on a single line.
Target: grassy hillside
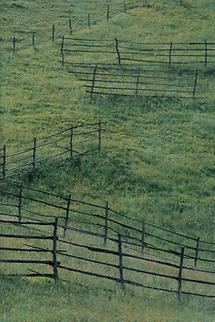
[(157, 159)]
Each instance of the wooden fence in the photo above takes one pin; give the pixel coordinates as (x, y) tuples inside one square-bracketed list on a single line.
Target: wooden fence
[(29, 256), (74, 141), (117, 263), (135, 81), (104, 222), (122, 52)]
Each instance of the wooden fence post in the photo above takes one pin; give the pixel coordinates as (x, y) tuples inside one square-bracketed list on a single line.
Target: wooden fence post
[(100, 134), (14, 44), (106, 223), (206, 53), (195, 84), (108, 12), (34, 153), (117, 51), (70, 25), (124, 5), (170, 54), (20, 203), (67, 215), (33, 40), (93, 81), (88, 20), (4, 162), (121, 277), (54, 251), (197, 251), (71, 141), (62, 53), (137, 83), (53, 32), (180, 273), (143, 235)]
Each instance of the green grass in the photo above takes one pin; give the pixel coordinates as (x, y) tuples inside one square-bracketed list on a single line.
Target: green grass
[(157, 160)]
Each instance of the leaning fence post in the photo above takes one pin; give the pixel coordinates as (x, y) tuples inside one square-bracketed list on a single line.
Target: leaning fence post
[(180, 273), (108, 12), (62, 53), (117, 51), (71, 141), (20, 203), (170, 54), (14, 44), (4, 162), (197, 251), (195, 84), (70, 25), (106, 223), (34, 153), (93, 81), (143, 235), (67, 215), (206, 53), (53, 32), (54, 251), (33, 40), (121, 277), (88, 20), (100, 134)]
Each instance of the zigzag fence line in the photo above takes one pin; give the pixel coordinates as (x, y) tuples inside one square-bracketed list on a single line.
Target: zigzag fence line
[(120, 266), (27, 256), (135, 81), (103, 221), (171, 53), (74, 141)]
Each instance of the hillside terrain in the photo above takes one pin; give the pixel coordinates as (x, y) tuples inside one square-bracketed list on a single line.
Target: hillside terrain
[(157, 154)]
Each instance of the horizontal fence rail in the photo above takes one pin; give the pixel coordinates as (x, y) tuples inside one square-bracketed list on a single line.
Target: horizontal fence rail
[(124, 52), (135, 81), (74, 141)]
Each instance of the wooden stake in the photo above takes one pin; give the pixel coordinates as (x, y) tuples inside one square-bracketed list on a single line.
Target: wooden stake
[(4, 162), (108, 12), (93, 81), (143, 235), (206, 53), (67, 215), (71, 141), (33, 40), (197, 251), (20, 203), (180, 273), (62, 53), (54, 251), (53, 32), (170, 54), (106, 223), (195, 84), (121, 277), (117, 51), (70, 25), (34, 153), (137, 83), (14, 44), (100, 134), (88, 19), (124, 5)]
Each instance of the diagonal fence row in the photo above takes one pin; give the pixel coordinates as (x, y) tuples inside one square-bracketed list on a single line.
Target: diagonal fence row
[(73, 141)]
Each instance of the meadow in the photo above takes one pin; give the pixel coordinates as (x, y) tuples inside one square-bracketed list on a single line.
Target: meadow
[(157, 157)]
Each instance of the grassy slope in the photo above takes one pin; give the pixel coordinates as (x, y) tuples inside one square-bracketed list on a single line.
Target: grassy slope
[(146, 138)]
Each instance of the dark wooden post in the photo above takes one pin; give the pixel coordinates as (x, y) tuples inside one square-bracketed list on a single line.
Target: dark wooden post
[(108, 12), (197, 251), (14, 44), (54, 251), (206, 53), (4, 162), (88, 20), (137, 83), (33, 40), (100, 134), (117, 51), (121, 277), (53, 32), (71, 141), (195, 84), (20, 203), (106, 223), (170, 54), (124, 5), (180, 273), (93, 81), (70, 25), (143, 235), (34, 153), (67, 215), (62, 52)]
